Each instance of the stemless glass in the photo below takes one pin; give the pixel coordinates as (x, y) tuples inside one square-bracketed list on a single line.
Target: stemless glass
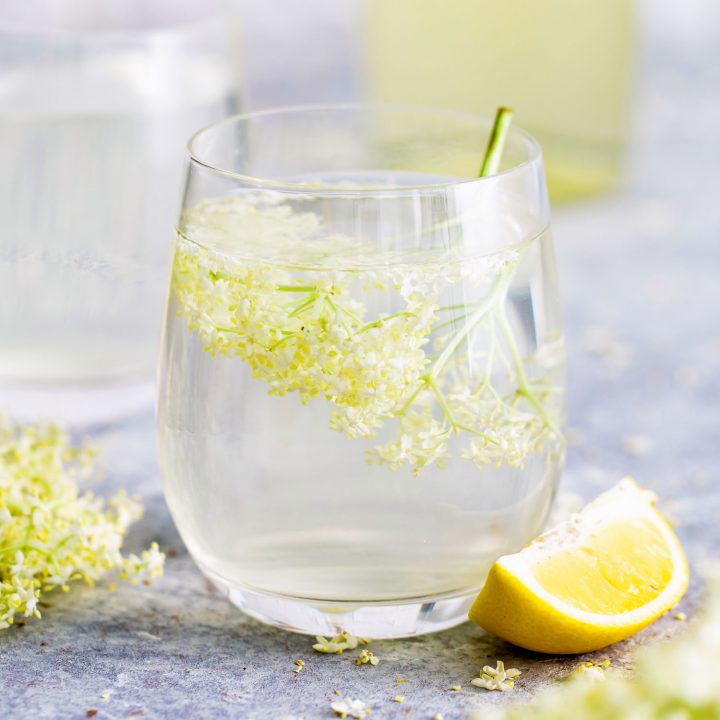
[(97, 99), (361, 388)]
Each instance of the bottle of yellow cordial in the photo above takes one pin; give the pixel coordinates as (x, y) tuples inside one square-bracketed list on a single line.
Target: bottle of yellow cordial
[(564, 66)]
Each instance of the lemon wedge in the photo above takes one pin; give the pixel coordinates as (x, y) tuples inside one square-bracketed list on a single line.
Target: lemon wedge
[(601, 576)]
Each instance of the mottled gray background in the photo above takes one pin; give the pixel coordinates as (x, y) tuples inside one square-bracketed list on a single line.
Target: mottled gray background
[(640, 282)]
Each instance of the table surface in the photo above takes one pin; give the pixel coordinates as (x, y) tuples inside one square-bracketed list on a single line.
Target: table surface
[(639, 275)]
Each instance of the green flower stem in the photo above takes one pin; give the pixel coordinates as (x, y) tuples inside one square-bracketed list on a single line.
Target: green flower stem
[(380, 321), (490, 165), (276, 345), (456, 426), (484, 308), (524, 390), (421, 386), (24, 547), (304, 305), (296, 288), (430, 382), (493, 306), (450, 323), (341, 308), (496, 142), (462, 306)]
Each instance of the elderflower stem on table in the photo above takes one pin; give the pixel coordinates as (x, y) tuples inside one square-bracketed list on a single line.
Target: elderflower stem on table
[(51, 534)]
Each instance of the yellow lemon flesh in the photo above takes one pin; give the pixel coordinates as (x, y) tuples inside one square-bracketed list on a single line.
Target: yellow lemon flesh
[(604, 574)]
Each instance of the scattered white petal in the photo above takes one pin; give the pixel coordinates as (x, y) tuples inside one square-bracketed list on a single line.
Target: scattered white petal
[(496, 678), (347, 707)]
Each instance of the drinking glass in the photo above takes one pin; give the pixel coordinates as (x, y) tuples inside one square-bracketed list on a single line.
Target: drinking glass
[(97, 99), (361, 379)]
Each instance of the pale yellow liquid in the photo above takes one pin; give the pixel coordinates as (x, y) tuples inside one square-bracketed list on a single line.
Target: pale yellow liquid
[(562, 65)]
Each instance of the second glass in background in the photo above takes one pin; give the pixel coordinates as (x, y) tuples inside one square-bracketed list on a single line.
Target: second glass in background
[(97, 100)]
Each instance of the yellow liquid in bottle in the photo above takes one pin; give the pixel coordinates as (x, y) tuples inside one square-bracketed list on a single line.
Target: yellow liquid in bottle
[(564, 66)]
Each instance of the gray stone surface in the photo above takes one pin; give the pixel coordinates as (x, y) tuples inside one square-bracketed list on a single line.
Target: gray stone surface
[(641, 288)]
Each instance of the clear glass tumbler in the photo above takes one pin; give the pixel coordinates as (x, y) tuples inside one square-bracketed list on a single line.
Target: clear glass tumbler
[(97, 99), (361, 383)]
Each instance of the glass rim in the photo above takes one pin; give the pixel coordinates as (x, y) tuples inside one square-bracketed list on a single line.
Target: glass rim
[(300, 188)]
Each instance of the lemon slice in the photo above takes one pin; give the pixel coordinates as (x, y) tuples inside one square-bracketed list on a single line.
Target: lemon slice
[(604, 574)]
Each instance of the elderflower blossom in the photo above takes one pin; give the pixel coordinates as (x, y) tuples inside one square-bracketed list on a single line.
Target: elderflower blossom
[(307, 337), (347, 707), (421, 440), (592, 670), (367, 656), (338, 644), (313, 329), (52, 534), (497, 678)]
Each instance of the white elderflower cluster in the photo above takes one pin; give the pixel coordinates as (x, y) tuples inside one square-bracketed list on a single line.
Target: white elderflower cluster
[(420, 441), (306, 333), (52, 534), (315, 331)]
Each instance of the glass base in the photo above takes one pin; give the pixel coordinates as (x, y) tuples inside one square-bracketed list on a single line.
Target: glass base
[(381, 620)]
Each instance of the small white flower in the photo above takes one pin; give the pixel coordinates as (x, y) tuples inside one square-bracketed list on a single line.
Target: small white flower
[(25, 595), (338, 644), (497, 678), (347, 707), (366, 656), (590, 670), (18, 567)]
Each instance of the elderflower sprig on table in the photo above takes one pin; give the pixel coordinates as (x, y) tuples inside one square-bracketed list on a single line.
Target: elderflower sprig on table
[(52, 534)]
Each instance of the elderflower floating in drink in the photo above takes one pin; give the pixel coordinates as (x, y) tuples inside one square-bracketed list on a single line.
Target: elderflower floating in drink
[(361, 384)]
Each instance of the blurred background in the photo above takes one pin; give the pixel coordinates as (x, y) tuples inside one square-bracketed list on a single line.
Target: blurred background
[(97, 99)]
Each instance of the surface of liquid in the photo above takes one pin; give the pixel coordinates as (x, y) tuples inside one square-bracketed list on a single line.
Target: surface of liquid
[(270, 497)]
